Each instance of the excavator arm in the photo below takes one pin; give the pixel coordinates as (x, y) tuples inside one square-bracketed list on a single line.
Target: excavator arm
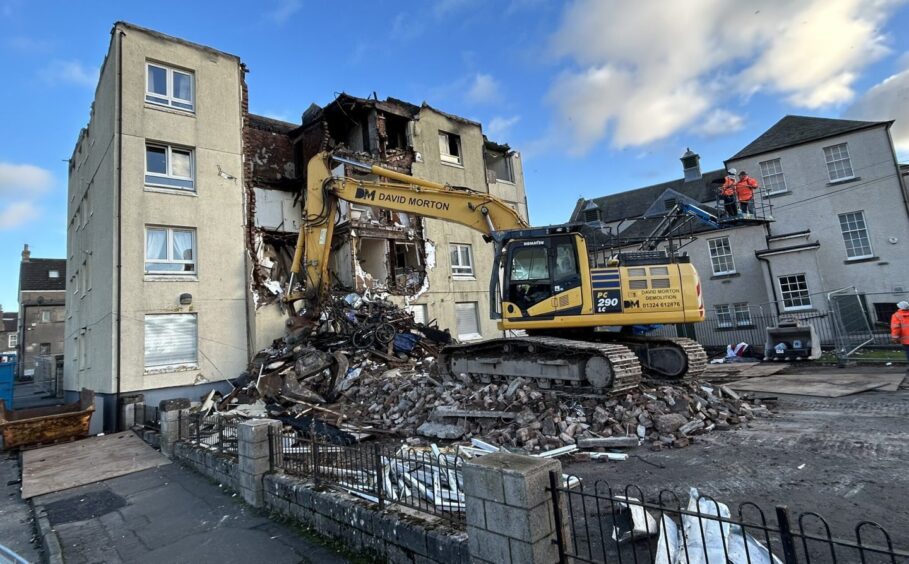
[(394, 191)]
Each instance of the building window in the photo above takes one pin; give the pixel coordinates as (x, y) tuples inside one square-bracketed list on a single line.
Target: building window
[(723, 315), (170, 250), (169, 167), (855, 235), (169, 87), (461, 260), (499, 167), (882, 310), (44, 348), (721, 256), (171, 340), (450, 148), (53, 274), (591, 215), (839, 167), (12, 340), (794, 292), (45, 316), (742, 314), (468, 321), (419, 313), (772, 176)]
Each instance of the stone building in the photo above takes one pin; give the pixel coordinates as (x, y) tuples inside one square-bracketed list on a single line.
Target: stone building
[(42, 309), (835, 201)]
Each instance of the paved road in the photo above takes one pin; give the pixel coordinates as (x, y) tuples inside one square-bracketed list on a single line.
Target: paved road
[(170, 514), (17, 531)]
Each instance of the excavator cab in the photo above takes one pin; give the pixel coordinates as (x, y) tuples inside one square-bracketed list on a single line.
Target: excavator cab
[(538, 269)]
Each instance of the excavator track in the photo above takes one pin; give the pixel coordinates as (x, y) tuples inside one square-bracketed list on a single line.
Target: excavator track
[(666, 358), (553, 362)]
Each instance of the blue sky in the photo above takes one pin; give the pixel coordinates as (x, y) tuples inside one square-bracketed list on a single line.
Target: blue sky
[(599, 96)]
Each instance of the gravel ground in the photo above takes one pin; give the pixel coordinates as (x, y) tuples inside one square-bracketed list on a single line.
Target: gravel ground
[(844, 458)]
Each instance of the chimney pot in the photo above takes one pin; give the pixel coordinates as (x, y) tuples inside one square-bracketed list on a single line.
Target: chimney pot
[(26, 254)]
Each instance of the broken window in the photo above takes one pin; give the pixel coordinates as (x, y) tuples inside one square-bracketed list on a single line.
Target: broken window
[(171, 340), (44, 348), (499, 167), (461, 260), (395, 132), (450, 148), (373, 258)]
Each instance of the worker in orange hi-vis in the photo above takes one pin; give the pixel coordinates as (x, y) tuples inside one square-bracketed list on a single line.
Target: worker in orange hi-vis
[(727, 191), (744, 189), (899, 327)]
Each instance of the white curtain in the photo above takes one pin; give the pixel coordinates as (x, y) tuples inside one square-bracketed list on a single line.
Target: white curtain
[(183, 245), (156, 244), (182, 86)]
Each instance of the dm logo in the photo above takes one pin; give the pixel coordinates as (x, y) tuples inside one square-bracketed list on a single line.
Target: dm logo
[(364, 194)]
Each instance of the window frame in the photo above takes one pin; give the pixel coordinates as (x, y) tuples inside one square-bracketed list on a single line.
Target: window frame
[(444, 149), (12, 340), (168, 100), (190, 181), (738, 309), (724, 317), (783, 292), (169, 248), (476, 310), (764, 176), (466, 271), (170, 366), (731, 256), (834, 162), (844, 232)]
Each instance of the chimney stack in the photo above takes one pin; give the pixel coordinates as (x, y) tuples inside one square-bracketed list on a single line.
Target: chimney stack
[(26, 254), (691, 165)]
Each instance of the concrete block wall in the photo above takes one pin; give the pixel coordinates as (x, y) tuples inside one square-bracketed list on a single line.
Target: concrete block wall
[(392, 537), (510, 515)]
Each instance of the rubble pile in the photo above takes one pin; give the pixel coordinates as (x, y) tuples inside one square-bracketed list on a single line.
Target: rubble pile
[(367, 368), (520, 414)]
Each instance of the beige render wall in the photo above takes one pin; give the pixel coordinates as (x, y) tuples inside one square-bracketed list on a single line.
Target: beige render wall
[(513, 192), (444, 291), (215, 211), (89, 313)]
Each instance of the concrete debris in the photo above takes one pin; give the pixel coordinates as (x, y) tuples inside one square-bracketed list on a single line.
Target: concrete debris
[(368, 366)]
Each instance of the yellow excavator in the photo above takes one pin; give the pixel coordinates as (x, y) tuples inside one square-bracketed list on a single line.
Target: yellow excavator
[(576, 301)]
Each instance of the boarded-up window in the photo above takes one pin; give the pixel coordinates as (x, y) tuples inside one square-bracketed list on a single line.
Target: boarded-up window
[(468, 321), (170, 340)]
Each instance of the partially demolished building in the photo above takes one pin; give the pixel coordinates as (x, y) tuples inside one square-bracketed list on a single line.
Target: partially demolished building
[(439, 270), (183, 210)]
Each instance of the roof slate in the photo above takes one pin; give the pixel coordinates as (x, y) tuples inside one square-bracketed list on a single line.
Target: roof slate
[(634, 203), (10, 320), (796, 130), (34, 274)]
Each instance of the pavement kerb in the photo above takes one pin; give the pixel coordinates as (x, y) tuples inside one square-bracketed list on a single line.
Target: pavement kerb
[(50, 542)]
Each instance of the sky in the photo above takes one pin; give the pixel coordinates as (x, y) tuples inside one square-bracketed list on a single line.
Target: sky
[(599, 96)]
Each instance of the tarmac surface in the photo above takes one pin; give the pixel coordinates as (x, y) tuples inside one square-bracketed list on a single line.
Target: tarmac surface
[(17, 530), (170, 514), (844, 458)]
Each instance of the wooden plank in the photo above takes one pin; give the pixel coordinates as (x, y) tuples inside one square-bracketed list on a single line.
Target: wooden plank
[(821, 385), (94, 459)]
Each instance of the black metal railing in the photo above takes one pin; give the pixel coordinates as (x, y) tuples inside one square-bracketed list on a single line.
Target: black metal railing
[(386, 474), (604, 525), (213, 432), (148, 416)]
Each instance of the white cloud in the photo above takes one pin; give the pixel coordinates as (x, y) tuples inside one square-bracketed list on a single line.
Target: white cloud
[(16, 214), (484, 89), (720, 122), (17, 179), (500, 125), (885, 101), (283, 10), (442, 8), (643, 71), (69, 72)]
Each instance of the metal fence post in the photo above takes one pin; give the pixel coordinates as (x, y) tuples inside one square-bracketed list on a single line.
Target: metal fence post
[(271, 449), (554, 478), (380, 475), (198, 419), (220, 435), (786, 537), (314, 452)]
